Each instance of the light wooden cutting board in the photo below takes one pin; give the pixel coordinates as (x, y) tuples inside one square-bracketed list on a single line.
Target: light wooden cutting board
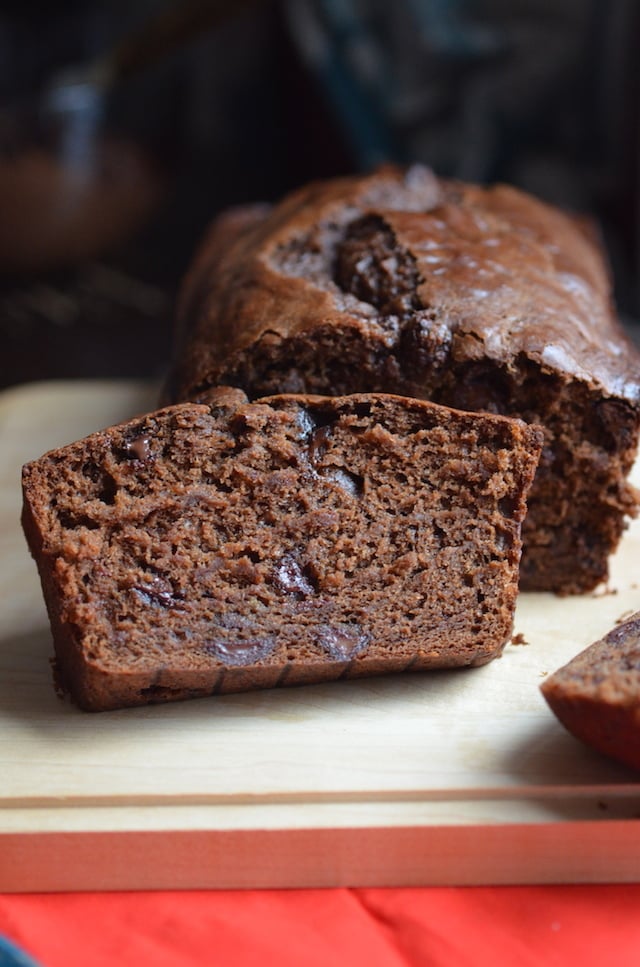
[(459, 777)]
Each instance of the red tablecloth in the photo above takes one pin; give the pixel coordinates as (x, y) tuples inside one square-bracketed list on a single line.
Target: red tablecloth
[(452, 927)]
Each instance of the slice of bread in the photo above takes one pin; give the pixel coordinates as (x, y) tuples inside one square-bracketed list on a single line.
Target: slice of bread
[(226, 546)]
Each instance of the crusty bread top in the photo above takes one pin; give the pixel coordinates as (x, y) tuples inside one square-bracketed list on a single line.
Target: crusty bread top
[(503, 273)]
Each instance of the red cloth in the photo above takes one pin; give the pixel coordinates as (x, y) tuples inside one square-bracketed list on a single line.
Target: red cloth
[(452, 927)]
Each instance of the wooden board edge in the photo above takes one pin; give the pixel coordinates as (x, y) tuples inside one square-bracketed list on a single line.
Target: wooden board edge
[(583, 852)]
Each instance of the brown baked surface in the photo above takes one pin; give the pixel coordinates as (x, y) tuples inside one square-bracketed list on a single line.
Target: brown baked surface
[(596, 695), (229, 546), (479, 298)]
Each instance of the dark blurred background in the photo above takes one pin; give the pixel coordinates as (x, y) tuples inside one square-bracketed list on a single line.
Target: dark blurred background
[(125, 126)]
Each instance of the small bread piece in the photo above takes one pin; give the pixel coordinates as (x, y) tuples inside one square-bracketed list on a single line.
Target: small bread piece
[(596, 695), (230, 546)]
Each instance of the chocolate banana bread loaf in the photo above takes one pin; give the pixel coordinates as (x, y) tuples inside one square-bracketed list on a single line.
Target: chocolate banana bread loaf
[(483, 299), (229, 546), (596, 696)]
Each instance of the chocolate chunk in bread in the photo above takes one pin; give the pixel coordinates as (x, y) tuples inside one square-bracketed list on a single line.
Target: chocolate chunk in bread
[(596, 695), (229, 546), (483, 299)]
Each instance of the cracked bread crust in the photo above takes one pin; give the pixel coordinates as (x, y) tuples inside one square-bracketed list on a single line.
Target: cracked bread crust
[(215, 548), (482, 299)]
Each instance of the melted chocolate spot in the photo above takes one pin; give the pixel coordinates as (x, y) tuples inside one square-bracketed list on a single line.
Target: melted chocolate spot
[(351, 482), (291, 578), (343, 641), (373, 267), (619, 635), (306, 423), (241, 653), (318, 443), (137, 448), (141, 448), (157, 593)]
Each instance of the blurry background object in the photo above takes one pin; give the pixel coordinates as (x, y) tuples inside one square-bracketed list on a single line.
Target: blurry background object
[(125, 126), (95, 102), (58, 210), (70, 187)]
